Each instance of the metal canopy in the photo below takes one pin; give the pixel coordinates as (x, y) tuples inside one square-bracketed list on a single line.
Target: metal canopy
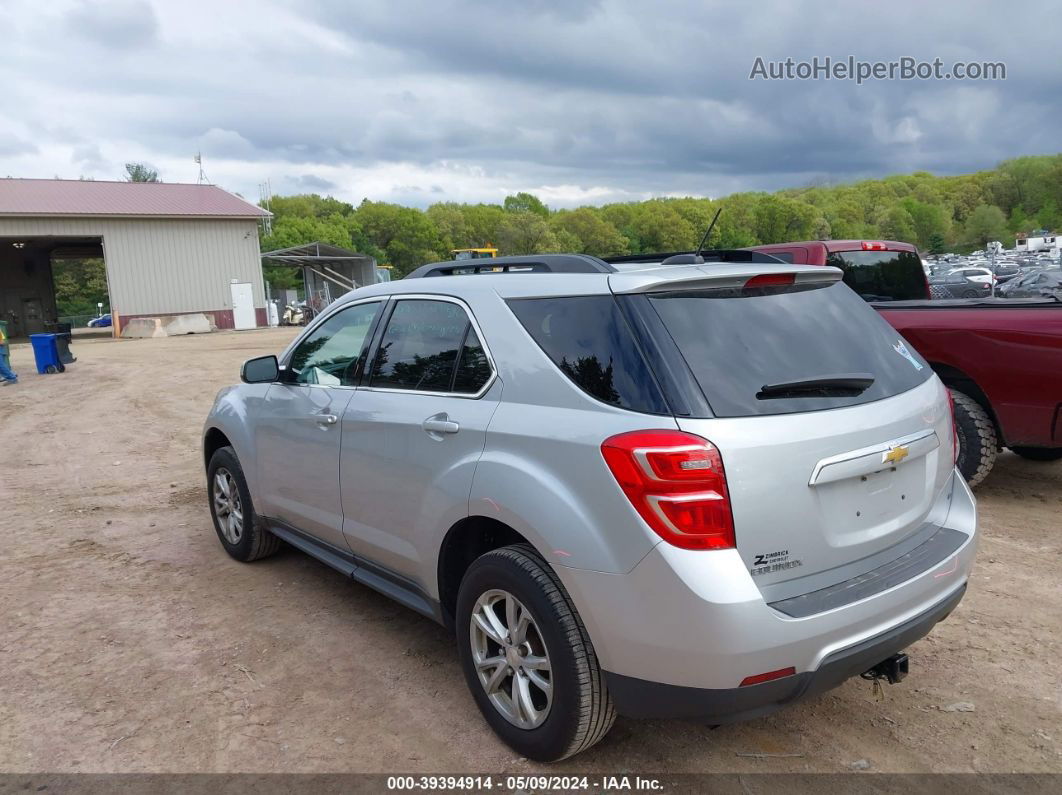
[(328, 271), (313, 254)]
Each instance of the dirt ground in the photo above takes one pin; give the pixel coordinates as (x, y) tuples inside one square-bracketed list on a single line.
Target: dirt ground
[(129, 642)]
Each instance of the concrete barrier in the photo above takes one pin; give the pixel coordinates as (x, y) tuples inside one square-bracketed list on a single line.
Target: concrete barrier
[(195, 323), (143, 328), (168, 326)]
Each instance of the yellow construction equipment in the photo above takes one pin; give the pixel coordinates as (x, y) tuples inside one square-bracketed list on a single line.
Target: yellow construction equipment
[(475, 253)]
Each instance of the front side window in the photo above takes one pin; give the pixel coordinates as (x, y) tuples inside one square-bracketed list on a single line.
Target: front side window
[(331, 353), (430, 346)]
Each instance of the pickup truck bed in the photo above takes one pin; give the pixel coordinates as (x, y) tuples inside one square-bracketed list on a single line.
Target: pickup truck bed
[(1002, 359)]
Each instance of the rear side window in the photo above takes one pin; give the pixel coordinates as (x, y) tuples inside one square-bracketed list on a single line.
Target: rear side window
[(588, 339), (881, 275), (738, 342), (430, 346)]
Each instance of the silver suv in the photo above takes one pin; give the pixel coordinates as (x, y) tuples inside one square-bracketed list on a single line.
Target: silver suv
[(674, 490)]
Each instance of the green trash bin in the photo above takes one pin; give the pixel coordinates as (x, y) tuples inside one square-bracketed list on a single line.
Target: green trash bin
[(5, 348)]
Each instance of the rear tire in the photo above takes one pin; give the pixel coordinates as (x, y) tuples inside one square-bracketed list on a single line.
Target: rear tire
[(580, 711), (237, 525), (1039, 453), (978, 443), (970, 294)]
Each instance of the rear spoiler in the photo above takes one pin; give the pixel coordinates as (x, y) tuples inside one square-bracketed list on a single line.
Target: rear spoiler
[(716, 277)]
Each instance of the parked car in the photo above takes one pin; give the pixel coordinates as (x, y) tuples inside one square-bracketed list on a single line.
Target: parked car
[(1002, 359), (1004, 272), (980, 275), (696, 491), (104, 321), (879, 270), (958, 285), (1036, 284)]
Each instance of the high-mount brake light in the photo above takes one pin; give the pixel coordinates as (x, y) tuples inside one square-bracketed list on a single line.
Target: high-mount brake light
[(869, 245), (771, 280), (676, 482)]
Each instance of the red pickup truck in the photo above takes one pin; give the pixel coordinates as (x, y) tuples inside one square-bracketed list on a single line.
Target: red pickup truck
[(1002, 359)]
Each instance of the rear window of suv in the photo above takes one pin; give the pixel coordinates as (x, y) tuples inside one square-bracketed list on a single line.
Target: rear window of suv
[(736, 342), (881, 275)]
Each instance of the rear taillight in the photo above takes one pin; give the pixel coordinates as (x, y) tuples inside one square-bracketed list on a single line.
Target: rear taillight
[(954, 430), (869, 245), (676, 483)]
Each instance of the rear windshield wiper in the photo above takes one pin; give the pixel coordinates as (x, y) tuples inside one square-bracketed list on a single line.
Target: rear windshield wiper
[(841, 385)]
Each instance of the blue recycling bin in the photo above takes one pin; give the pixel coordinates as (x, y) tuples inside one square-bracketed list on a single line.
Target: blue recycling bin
[(46, 353)]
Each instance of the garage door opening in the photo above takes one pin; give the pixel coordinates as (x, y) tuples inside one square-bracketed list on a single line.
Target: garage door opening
[(46, 281)]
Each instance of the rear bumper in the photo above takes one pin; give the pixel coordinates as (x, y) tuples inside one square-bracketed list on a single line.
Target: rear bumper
[(638, 698), (679, 632)]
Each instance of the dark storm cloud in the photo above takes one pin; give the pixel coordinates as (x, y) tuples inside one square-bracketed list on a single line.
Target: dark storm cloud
[(119, 23), (313, 183), (612, 96)]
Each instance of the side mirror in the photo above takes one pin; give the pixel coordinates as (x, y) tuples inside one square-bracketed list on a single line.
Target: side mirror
[(263, 370)]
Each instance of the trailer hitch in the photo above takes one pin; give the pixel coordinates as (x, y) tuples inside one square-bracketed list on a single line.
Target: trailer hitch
[(894, 669)]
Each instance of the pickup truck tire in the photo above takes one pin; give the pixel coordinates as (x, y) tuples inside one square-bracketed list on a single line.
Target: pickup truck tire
[(1039, 453), (236, 523), (978, 442), (580, 712)]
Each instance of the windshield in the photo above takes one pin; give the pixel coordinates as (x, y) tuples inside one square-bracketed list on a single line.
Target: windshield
[(882, 275), (737, 342)]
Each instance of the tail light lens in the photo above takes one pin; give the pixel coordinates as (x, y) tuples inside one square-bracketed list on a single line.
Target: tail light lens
[(870, 245), (676, 482), (954, 430)]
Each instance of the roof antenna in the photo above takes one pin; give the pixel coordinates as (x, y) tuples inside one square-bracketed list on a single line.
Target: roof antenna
[(707, 232)]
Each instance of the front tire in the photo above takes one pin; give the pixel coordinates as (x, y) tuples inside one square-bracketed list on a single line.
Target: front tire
[(236, 523), (1039, 453), (527, 657), (978, 443)]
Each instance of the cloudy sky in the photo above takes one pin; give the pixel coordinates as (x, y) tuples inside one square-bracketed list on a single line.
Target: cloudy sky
[(579, 101)]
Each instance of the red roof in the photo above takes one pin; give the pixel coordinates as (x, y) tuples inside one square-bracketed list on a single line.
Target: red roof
[(89, 197)]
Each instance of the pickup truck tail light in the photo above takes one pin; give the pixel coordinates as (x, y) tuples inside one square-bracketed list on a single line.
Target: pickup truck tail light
[(676, 482), (870, 245), (954, 430)]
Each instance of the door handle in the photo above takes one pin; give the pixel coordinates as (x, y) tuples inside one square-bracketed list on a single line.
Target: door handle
[(326, 419), (439, 424)]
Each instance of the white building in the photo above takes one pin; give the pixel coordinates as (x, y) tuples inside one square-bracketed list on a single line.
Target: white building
[(170, 249)]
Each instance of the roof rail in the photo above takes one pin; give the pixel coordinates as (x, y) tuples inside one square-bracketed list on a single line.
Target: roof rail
[(530, 263), (688, 257)]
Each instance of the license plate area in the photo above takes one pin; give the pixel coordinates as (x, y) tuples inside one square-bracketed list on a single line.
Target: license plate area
[(874, 505)]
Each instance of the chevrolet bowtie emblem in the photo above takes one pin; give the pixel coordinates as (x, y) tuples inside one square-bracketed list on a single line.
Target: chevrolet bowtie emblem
[(895, 454)]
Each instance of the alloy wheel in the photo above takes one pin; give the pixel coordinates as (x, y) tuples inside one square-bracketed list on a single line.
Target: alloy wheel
[(228, 508), (511, 659)]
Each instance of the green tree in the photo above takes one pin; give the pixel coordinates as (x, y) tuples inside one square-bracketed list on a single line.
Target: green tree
[(526, 203), (140, 172), (986, 223), (589, 233), (525, 233), (80, 284)]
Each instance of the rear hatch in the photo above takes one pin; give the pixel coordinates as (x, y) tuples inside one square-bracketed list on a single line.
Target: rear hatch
[(834, 434)]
